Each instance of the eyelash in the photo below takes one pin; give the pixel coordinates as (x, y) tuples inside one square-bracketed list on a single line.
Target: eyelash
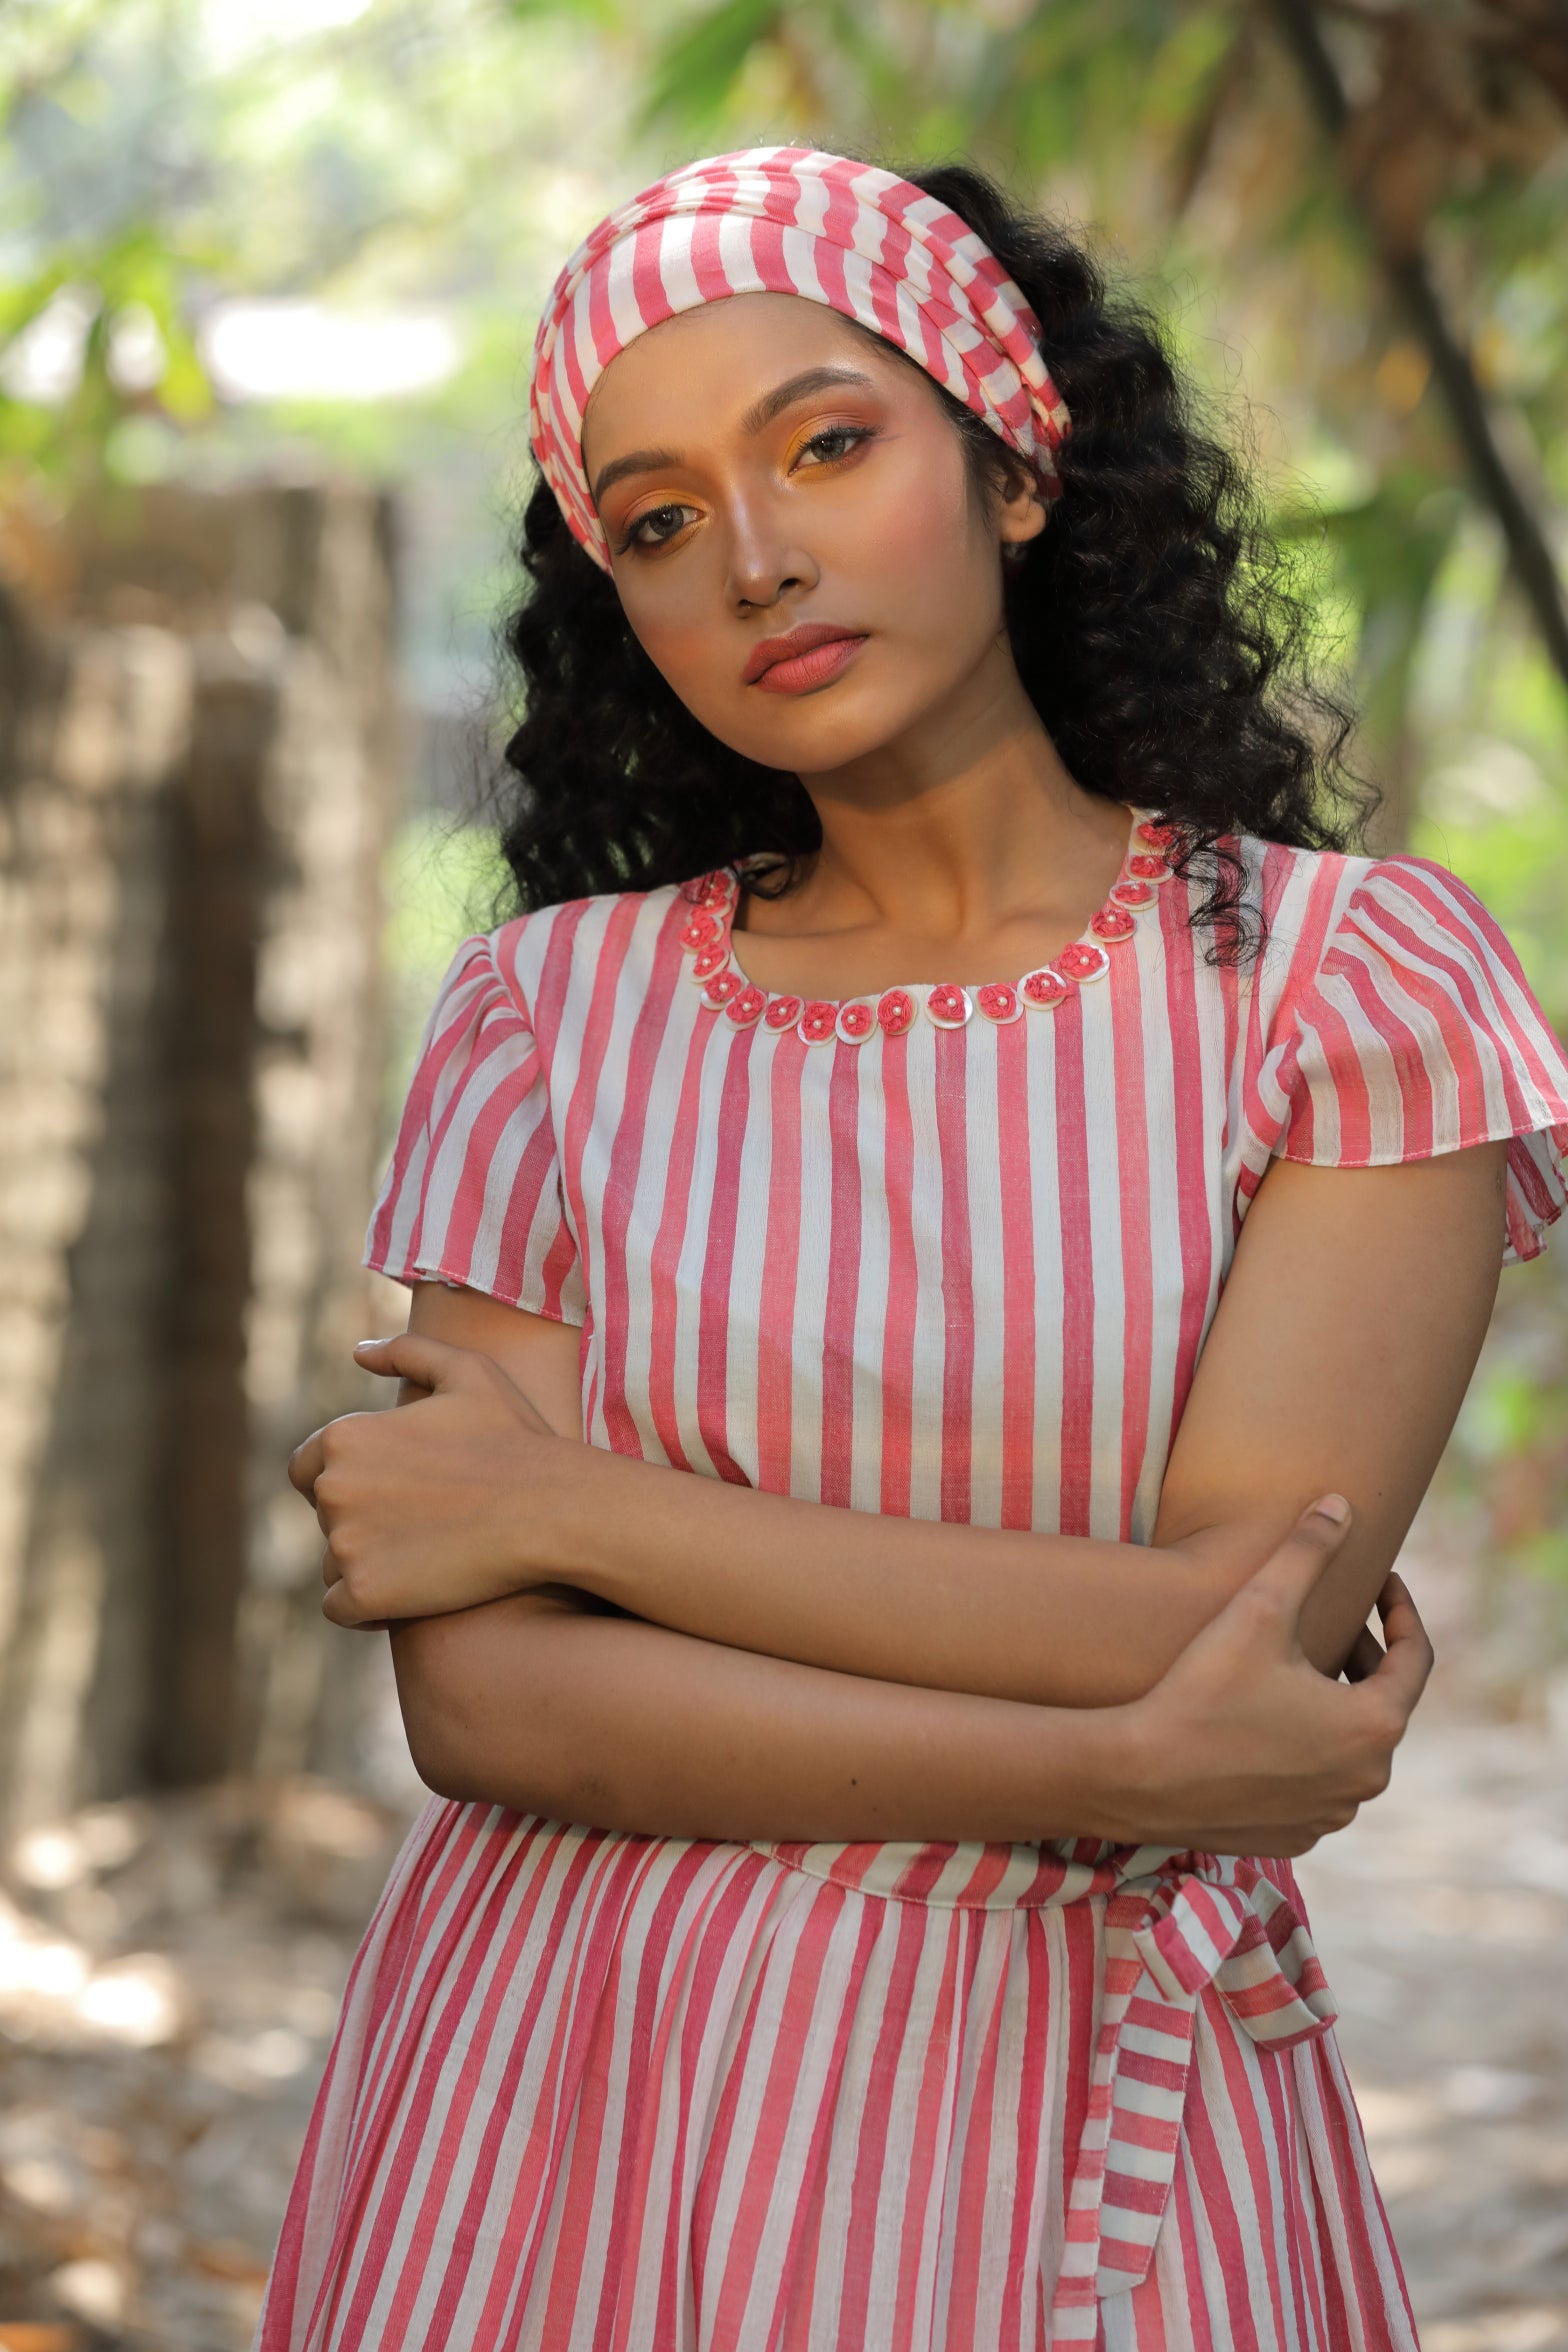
[(854, 434)]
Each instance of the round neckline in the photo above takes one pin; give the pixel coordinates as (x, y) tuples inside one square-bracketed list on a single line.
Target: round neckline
[(724, 986)]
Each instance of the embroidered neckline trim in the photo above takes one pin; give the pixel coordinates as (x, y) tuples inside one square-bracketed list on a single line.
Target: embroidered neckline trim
[(725, 988)]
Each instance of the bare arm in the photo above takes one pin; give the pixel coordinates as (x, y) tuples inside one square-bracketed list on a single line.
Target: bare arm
[(537, 1704), (557, 1703), (1338, 1358), (1244, 1748)]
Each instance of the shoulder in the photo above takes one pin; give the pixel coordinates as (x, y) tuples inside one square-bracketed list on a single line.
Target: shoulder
[(1401, 1025), (1392, 978), (1301, 893), (551, 962), (1325, 911)]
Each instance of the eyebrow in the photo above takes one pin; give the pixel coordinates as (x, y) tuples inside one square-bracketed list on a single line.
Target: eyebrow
[(760, 414), (818, 379)]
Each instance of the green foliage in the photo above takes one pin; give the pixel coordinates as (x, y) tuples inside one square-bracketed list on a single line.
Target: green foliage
[(163, 156), (1544, 1555), (130, 285), (441, 885), (1505, 1414), (698, 68), (442, 881), (1510, 1452), (1387, 555)]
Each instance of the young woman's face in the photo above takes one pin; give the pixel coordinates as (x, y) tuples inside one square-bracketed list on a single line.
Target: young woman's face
[(757, 465)]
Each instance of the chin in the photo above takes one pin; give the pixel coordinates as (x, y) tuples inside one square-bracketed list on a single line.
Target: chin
[(814, 741)]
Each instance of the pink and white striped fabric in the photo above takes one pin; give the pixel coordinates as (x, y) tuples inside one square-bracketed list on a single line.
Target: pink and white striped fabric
[(790, 220), (605, 2093)]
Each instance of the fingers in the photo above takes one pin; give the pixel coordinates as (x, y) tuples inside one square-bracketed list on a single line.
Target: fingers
[(308, 1461), (1365, 1658), (306, 1464), (1287, 1838), (1295, 1564), (1396, 1608), (1408, 1659), (410, 1355), (338, 1609)]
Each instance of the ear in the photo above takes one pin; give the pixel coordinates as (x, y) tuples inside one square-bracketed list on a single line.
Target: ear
[(1020, 513)]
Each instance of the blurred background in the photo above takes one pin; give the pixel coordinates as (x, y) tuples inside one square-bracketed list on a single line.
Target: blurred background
[(269, 274)]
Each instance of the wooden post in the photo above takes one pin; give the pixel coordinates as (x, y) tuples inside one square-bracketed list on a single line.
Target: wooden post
[(194, 809), (217, 883)]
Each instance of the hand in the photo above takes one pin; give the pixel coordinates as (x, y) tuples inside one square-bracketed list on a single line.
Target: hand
[(441, 1505), (1243, 1746)]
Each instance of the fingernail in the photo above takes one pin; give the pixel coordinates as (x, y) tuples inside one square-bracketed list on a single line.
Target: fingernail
[(1333, 1506)]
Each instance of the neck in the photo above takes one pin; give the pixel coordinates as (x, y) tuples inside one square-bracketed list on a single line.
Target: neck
[(957, 826)]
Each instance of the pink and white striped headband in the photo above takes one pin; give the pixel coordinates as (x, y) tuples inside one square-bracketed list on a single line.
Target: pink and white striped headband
[(790, 220)]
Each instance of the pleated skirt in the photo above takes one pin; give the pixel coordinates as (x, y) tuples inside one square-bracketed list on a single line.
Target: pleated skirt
[(592, 2092)]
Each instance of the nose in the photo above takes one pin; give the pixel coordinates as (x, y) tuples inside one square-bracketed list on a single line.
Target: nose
[(764, 564)]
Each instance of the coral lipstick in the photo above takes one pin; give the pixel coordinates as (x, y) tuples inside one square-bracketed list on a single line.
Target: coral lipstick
[(809, 656)]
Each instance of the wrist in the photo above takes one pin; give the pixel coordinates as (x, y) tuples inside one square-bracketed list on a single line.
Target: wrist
[(1099, 1759), (569, 1514), (529, 1485)]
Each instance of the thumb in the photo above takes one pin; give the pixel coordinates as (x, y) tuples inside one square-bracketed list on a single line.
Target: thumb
[(1299, 1558), (410, 1355)]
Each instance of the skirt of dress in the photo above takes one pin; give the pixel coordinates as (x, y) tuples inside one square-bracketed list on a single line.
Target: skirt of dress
[(603, 2093)]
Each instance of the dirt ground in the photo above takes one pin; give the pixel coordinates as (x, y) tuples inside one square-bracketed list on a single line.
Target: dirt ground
[(169, 1977), (1441, 1916)]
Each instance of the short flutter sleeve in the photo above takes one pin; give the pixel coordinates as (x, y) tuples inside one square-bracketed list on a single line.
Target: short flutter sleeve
[(1418, 1033), (473, 1193)]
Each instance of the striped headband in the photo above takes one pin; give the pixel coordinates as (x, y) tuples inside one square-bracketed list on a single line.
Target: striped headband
[(790, 220)]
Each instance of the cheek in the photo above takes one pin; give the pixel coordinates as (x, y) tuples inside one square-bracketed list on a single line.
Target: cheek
[(674, 618), (918, 546), (675, 610)]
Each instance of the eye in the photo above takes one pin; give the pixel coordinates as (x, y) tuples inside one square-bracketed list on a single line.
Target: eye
[(634, 537), (848, 434)]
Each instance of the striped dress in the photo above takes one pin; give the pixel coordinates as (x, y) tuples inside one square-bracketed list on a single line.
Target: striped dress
[(951, 1255)]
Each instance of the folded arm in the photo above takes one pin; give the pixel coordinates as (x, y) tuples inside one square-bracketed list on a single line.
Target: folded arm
[(1337, 1359), (1244, 1747)]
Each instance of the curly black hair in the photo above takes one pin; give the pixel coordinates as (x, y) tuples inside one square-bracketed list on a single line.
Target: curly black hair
[(1153, 623)]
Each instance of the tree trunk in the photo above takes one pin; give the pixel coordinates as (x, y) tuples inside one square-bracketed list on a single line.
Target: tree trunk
[(1410, 274)]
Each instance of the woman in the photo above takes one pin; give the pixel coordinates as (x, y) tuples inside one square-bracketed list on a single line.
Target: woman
[(856, 1911)]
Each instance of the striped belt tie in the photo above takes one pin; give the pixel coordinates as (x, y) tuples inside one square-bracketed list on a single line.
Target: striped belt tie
[(1190, 1921)]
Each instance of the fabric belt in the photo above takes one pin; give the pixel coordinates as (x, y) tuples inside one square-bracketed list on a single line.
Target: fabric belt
[(1176, 1922), (1191, 1921)]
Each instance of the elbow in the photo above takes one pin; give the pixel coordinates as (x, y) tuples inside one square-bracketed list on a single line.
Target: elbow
[(481, 1710), (427, 1659), (444, 1767), (469, 1711)]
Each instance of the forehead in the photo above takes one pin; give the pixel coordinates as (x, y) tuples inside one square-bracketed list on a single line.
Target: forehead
[(707, 364)]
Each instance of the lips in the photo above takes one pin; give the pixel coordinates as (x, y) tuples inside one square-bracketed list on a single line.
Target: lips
[(771, 650)]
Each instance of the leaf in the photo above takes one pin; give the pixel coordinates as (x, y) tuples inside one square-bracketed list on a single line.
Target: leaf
[(693, 74), (20, 305), (1221, 87), (1501, 1417), (1390, 549), (1544, 1555), (606, 15)]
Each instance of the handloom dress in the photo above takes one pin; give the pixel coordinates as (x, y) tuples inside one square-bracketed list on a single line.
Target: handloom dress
[(946, 1253)]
